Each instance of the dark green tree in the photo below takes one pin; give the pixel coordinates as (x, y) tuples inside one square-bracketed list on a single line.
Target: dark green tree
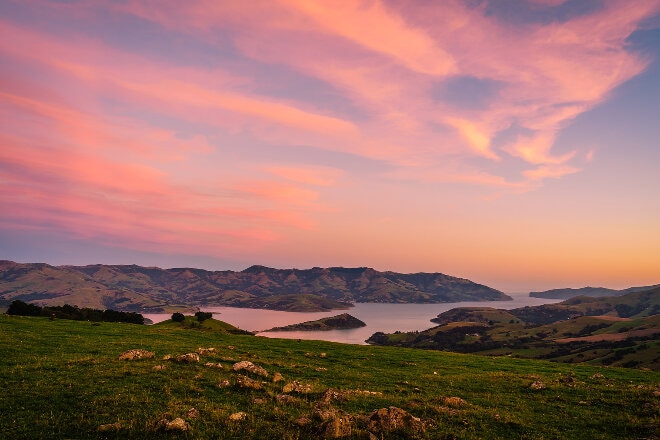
[(178, 317)]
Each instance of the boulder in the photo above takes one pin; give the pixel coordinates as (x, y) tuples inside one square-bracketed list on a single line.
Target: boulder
[(286, 399), (138, 353), (338, 426), (537, 385), (297, 387), (238, 416), (188, 357), (331, 394), (177, 424), (192, 413), (393, 418), (277, 377), (454, 402), (109, 427), (334, 423), (251, 368), (246, 382)]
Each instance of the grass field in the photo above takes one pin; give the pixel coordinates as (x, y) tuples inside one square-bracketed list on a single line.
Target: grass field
[(64, 379)]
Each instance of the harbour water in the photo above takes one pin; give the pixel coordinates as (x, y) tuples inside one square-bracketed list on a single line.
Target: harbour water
[(385, 318)]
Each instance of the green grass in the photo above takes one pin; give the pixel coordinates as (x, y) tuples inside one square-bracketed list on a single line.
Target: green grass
[(62, 379)]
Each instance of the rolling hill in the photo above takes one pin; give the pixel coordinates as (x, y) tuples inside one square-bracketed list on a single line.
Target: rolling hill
[(567, 293), (619, 330), (152, 289)]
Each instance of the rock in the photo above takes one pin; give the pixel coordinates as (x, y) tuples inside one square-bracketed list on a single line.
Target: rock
[(537, 385), (138, 353), (568, 379), (109, 427), (323, 355), (302, 421), (177, 424), (454, 402), (297, 387), (188, 357), (258, 401), (167, 357), (246, 382), (277, 377), (320, 369), (158, 367), (598, 376), (392, 418), (212, 365), (335, 423), (223, 383), (192, 413), (286, 399), (238, 416), (364, 393), (251, 368), (331, 394), (339, 425), (204, 351)]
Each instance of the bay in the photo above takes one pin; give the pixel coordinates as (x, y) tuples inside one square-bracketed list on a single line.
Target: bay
[(386, 318)]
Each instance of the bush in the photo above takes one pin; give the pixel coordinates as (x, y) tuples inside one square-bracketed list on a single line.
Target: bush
[(203, 316), (18, 307), (178, 317)]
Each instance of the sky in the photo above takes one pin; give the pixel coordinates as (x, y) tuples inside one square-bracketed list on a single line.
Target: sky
[(513, 143)]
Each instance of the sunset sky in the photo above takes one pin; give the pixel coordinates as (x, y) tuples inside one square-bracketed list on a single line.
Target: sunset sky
[(513, 143)]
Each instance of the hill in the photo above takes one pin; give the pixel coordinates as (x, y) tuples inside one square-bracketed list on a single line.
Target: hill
[(65, 379), (567, 293), (151, 289), (338, 322), (622, 331)]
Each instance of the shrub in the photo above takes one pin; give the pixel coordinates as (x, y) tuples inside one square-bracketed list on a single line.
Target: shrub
[(18, 307), (178, 317), (203, 316)]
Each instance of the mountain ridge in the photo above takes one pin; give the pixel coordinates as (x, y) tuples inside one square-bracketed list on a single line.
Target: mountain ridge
[(594, 292), (152, 289)]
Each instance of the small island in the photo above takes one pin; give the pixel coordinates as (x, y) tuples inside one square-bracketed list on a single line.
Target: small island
[(338, 322)]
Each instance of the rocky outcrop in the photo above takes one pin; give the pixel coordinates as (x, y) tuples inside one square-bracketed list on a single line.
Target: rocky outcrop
[(138, 353), (389, 419), (250, 368), (188, 357)]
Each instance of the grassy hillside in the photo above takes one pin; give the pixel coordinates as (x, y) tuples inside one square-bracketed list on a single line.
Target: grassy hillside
[(618, 331), (64, 379)]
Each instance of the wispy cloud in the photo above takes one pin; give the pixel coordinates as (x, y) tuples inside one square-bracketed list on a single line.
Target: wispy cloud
[(150, 140)]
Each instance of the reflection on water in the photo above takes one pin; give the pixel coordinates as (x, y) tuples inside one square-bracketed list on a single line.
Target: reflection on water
[(385, 318)]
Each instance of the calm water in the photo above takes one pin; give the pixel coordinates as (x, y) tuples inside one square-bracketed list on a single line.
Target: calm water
[(385, 318)]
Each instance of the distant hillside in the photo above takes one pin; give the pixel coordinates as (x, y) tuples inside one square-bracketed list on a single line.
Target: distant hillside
[(151, 289), (617, 330), (587, 291)]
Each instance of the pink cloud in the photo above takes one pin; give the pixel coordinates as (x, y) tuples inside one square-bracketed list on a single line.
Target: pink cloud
[(108, 141), (310, 175)]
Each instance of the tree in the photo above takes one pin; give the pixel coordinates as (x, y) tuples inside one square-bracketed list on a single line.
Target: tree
[(203, 316), (178, 317), (18, 307)]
